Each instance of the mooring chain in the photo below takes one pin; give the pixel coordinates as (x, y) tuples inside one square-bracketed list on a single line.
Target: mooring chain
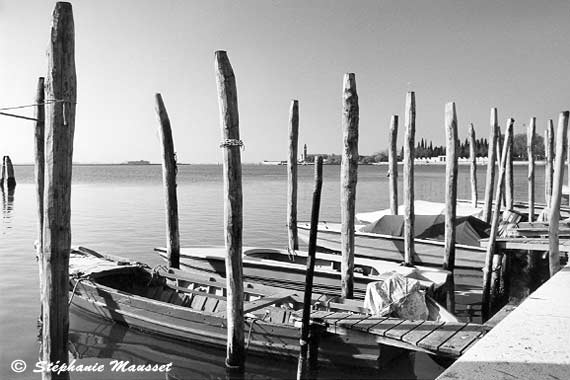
[(232, 142)]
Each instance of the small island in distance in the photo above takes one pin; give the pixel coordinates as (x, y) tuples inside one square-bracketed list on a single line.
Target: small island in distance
[(139, 162)]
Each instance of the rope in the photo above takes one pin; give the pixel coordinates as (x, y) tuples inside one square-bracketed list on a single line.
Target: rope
[(49, 101), (232, 142), (75, 288), (253, 320)]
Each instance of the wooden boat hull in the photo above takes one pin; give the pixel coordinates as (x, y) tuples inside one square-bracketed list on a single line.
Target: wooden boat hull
[(385, 247), (204, 322)]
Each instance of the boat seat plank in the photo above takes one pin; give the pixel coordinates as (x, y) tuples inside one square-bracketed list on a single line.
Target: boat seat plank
[(221, 307), (211, 303), (457, 344), (441, 335), (278, 316), (403, 328), (198, 302), (420, 332)]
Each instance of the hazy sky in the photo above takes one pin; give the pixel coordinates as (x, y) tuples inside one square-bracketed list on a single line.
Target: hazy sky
[(514, 55)]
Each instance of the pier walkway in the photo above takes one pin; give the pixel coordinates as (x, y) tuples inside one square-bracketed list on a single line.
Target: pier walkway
[(532, 342)]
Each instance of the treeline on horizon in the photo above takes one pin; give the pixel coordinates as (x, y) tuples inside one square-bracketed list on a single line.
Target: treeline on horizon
[(428, 150)]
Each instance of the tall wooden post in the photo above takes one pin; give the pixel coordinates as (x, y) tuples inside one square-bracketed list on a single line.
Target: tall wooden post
[(348, 178), (393, 164), (410, 125), (490, 252), (509, 181), (233, 219), (169, 170), (492, 157), (473, 159), (548, 170), (554, 218), (530, 153), (305, 327), (60, 127), (3, 172), (450, 199), (39, 171), (292, 177), (10, 180)]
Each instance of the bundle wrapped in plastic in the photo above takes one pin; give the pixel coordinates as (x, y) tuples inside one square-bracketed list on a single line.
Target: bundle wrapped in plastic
[(397, 295)]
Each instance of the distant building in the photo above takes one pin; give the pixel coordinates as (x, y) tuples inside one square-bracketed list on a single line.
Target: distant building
[(139, 162)]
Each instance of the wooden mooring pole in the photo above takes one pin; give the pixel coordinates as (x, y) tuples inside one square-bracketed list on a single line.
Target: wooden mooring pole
[(409, 141), (490, 252), (60, 126), (473, 159), (39, 172), (233, 207), (509, 181), (169, 171), (450, 201), (3, 172), (530, 152), (293, 238), (393, 164), (548, 170), (348, 179), (10, 179), (492, 158), (303, 367), (554, 217)]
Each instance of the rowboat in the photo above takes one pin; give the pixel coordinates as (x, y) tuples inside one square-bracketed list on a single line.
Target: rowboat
[(278, 267), (374, 245), (191, 306)]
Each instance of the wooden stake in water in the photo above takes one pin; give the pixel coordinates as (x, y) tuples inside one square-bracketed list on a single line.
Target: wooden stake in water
[(509, 181), (530, 153), (3, 172), (450, 199), (495, 223), (410, 125), (492, 158), (10, 181), (473, 159), (548, 171), (60, 126), (39, 171), (169, 171), (233, 218), (311, 257), (554, 218), (292, 177), (348, 179), (393, 164)]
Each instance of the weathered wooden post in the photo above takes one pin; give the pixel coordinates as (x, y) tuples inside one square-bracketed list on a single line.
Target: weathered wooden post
[(348, 178), (509, 181), (39, 171), (548, 169), (450, 200), (3, 172), (233, 203), (60, 127), (492, 157), (393, 164), (530, 153), (306, 322), (10, 180), (410, 125), (292, 177), (169, 171), (554, 217), (490, 252), (473, 159)]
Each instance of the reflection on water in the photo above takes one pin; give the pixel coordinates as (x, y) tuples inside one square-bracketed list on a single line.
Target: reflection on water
[(7, 204)]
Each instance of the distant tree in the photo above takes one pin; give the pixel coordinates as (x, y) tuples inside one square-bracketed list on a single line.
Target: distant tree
[(520, 149)]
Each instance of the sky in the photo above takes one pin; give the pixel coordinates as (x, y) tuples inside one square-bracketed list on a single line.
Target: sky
[(509, 54)]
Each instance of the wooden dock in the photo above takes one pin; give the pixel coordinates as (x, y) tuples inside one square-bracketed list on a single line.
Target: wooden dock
[(529, 343), (450, 339), (526, 244)]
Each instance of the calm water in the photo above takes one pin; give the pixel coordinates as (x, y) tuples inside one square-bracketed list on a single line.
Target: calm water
[(119, 210)]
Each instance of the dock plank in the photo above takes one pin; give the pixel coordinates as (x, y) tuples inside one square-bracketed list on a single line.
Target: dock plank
[(369, 323), (457, 344), (438, 337), (403, 328), (354, 319), (319, 314), (420, 332), (381, 328), (337, 317)]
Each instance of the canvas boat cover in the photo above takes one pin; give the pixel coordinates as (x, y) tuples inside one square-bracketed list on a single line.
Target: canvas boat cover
[(422, 208), (469, 230)]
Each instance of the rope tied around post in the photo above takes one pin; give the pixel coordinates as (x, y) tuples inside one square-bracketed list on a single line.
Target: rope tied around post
[(231, 143)]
